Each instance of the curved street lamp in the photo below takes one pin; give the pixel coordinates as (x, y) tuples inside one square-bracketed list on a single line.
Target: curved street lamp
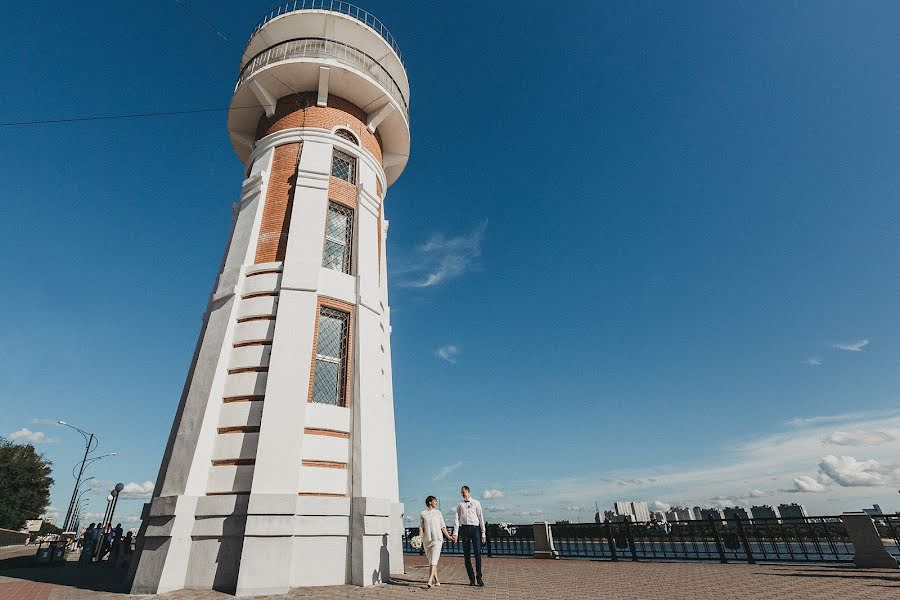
[(90, 461), (90, 443)]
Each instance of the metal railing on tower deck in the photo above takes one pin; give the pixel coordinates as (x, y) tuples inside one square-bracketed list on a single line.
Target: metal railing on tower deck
[(327, 49), (344, 8)]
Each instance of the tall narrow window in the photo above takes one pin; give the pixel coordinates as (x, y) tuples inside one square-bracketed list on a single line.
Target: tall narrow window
[(338, 238), (330, 375), (343, 166)]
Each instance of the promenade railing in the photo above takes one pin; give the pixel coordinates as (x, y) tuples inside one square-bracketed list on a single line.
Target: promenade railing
[(815, 539), (516, 540)]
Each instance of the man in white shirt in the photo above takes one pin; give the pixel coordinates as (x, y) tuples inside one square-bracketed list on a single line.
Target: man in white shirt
[(470, 527)]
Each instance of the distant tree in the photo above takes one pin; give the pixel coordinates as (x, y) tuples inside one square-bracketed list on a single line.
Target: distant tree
[(48, 528), (24, 484)]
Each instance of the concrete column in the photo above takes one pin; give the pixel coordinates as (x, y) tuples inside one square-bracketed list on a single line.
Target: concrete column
[(267, 555), (543, 541), (868, 550), (164, 541)]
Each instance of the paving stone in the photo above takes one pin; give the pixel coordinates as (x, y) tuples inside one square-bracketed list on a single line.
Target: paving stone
[(528, 579)]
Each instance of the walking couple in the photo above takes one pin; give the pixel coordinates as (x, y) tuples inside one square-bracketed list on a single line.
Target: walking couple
[(469, 527)]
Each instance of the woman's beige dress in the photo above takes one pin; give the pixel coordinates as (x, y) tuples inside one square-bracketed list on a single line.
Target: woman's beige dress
[(431, 527)]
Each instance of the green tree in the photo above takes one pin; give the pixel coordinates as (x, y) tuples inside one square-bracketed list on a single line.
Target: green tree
[(24, 484)]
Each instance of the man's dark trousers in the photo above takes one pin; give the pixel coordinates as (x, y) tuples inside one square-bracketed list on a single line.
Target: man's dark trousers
[(471, 539)]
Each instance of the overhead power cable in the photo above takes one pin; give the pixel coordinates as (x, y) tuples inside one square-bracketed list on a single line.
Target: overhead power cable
[(125, 116)]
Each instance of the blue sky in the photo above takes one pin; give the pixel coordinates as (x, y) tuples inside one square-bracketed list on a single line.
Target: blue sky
[(626, 253)]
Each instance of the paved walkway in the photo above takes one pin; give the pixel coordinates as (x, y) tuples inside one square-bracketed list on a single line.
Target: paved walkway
[(519, 578)]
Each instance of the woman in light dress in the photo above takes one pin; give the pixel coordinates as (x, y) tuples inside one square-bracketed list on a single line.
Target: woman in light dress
[(431, 528)]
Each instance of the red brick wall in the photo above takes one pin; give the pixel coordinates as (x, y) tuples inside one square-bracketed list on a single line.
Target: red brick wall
[(300, 110), (276, 218)]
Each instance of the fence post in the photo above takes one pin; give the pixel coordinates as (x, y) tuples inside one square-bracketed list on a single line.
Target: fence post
[(748, 550), (487, 540), (719, 546), (868, 550), (630, 539), (610, 540), (543, 541)]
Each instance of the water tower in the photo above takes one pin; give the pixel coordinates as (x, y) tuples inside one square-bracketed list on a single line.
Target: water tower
[(281, 467)]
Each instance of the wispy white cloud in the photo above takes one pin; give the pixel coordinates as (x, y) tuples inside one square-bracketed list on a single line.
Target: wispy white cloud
[(448, 353), (529, 513), (850, 472), (859, 437), (864, 415), (446, 470), (442, 258), (853, 347), (574, 508), (492, 494), (813, 361), (661, 506), (747, 469), (806, 484), (32, 437)]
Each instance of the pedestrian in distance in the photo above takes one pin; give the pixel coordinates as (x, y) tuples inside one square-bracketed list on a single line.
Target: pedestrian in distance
[(87, 546), (471, 528), (106, 538), (432, 529), (116, 546), (126, 549)]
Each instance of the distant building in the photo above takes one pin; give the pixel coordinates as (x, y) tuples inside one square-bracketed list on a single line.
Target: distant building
[(732, 511), (33, 525), (609, 515), (697, 512), (764, 512), (792, 512), (563, 522), (684, 513), (657, 515), (875, 511), (672, 515), (638, 511), (706, 513)]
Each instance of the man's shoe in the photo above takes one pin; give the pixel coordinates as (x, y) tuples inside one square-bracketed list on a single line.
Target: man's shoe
[(472, 583), (480, 582)]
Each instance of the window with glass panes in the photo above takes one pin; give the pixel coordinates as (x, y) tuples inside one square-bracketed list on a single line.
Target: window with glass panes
[(346, 135), (330, 373), (338, 238), (343, 166)]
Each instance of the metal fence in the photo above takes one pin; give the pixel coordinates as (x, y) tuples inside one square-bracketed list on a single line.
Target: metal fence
[(345, 8), (516, 540), (813, 539)]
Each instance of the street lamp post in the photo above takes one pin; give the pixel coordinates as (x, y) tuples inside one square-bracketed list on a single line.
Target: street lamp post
[(91, 443), (115, 494), (89, 439)]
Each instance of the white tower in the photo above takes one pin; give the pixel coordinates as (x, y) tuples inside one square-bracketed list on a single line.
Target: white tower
[(281, 467)]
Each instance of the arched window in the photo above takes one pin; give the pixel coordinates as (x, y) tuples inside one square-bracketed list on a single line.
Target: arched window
[(346, 135)]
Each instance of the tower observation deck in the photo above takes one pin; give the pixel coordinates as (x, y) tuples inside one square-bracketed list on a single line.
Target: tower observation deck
[(280, 470), (332, 48)]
